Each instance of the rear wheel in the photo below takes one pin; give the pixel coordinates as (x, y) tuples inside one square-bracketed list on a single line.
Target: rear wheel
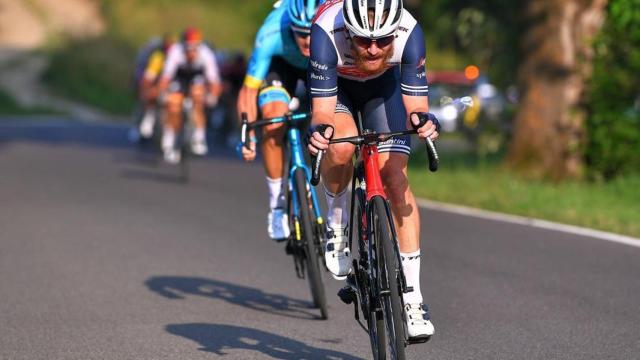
[(388, 284), (309, 237)]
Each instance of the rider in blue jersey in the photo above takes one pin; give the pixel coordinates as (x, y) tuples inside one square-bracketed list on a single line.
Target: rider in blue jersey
[(278, 62)]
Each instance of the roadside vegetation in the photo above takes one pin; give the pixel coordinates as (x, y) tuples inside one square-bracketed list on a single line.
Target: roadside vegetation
[(8, 106), (98, 71), (485, 183), (600, 177)]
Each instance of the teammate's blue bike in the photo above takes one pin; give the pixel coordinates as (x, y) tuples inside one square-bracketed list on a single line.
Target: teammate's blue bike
[(306, 242)]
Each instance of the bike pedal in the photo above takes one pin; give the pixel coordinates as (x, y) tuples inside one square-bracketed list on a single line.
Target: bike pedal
[(347, 295)]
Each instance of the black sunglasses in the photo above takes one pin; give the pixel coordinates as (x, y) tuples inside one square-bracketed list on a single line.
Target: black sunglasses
[(366, 42)]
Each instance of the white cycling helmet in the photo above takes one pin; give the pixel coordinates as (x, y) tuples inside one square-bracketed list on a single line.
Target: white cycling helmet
[(387, 15)]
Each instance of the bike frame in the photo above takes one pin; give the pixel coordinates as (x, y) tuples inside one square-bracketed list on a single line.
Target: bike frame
[(297, 162)]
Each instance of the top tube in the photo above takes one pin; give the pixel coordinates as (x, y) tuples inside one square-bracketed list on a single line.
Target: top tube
[(281, 119)]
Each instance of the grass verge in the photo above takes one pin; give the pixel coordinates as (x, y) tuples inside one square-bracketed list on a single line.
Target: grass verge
[(612, 206)]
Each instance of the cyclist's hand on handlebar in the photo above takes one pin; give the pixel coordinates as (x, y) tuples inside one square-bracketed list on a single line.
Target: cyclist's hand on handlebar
[(319, 138), (426, 124), (250, 153)]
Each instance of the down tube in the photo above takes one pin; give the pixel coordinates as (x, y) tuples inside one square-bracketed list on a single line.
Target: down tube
[(297, 158)]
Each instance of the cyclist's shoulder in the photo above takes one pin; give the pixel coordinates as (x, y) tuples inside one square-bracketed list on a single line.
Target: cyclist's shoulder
[(270, 33), (329, 16)]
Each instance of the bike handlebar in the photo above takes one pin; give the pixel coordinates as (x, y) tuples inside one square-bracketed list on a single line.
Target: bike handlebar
[(246, 125), (373, 139)]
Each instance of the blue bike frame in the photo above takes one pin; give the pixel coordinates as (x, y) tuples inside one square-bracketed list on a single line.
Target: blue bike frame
[(294, 141), (297, 162)]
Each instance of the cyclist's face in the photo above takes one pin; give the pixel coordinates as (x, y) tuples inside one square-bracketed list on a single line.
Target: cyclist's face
[(303, 40), (191, 52), (371, 56)]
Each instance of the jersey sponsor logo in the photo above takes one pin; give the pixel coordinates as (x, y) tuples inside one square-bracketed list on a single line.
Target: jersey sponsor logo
[(317, 65), (337, 30), (324, 7), (320, 77), (422, 62), (402, 28)]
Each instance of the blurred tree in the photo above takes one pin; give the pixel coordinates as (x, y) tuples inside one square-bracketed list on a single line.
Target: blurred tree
[(557, 57)]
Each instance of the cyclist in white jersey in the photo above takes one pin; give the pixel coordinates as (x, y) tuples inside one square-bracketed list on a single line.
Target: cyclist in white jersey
[(190, 70), (368, 57)]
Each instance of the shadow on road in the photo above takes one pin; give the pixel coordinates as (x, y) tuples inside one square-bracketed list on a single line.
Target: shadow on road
[(218, 338), (177, 287)]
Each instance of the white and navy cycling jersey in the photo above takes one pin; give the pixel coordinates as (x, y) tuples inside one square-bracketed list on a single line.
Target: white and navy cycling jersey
[(178, 68), (331, 54)]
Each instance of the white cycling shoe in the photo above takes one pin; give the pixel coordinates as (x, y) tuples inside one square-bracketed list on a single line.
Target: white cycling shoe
[(199, 147), (171, 155), (419, 324), (278, 224), (337, 255)]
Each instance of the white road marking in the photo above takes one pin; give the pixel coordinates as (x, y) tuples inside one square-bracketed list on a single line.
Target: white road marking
[(521, 220)]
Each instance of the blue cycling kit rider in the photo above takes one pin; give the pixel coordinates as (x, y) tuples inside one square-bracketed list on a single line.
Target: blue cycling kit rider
[(277, 65)]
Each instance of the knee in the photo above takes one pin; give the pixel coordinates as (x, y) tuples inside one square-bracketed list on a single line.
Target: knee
[(341, 154), (396, 185), (174, 104), (273, 131)]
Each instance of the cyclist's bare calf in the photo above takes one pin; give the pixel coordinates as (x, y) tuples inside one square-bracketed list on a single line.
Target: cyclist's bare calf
[(273, 138)]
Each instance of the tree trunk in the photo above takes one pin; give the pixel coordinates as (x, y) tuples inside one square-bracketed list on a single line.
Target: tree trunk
[(549, 127)]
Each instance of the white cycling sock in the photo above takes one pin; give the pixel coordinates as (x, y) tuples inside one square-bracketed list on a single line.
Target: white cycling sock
[(199, 134), (337, 211), (411, 268), (275, 193)]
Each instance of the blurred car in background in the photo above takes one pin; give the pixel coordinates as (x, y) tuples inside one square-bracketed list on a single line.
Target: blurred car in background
[(483, 124)]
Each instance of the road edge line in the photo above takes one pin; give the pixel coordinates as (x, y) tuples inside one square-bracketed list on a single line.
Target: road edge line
[(533, 222)]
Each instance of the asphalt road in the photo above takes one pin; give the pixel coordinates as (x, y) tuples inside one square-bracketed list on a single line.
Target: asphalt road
[(105, 254)]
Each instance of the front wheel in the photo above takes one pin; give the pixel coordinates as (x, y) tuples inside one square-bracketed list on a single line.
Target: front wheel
[(388, 284), (309, 237)]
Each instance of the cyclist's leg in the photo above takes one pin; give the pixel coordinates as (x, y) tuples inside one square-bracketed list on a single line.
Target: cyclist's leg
[(273, 101), (172, 118), (387, 113), (197, 92), (336, 171)]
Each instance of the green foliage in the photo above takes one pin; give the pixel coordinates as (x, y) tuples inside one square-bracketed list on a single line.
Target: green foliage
[(8, 106), (95, 71), (466, 180), (614, 122), (486, 33), (98, 71)]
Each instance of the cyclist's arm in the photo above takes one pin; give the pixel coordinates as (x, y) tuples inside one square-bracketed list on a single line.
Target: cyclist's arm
[(413, 80), (212, 72), (323, 76), (265, 46), (170, 67), (323, 79)]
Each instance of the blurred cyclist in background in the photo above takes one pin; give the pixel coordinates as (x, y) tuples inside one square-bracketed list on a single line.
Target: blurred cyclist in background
[(147, 83), (278, 62), (190, 71)]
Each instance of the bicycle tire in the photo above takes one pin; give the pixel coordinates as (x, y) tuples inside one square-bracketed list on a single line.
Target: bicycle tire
[(388, 267), (309, 237), (375, 320)]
